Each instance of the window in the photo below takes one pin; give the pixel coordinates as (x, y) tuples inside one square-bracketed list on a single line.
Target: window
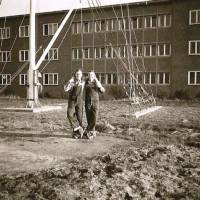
[(194, 47), (50, 29), (194, 17), (87, 53), (76, 53), (139, 78), (100, 25), (99, 52), (123, 51), (24, 31), (123, 24), (194, 78), (5, 79), (50, 79), (137, 50), (23, 55), (149, 50), (101, 78), (5, 56), (109, 52), (23, 79), (137, 22), (150, 78), (87, 27), (52, 54), (163, 78), (164, 20), (5, 33), (111, 25), (150, 21), (76, 28), (164, 49)]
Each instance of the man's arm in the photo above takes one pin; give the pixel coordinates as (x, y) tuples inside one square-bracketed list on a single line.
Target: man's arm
[(69, 85), (99, 85)]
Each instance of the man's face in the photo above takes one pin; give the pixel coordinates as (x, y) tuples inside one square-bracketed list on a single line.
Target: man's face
[(78, 75), (92, 76)]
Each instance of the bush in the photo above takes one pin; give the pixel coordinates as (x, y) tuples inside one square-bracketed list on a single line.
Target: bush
[(181, 94), (198, 96), (113, 92)]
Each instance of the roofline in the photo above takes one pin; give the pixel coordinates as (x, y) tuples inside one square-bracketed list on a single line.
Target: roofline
[(145, 2)]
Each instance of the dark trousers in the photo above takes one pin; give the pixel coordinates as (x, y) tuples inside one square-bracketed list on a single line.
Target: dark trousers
[(75, 113), (91, 115)]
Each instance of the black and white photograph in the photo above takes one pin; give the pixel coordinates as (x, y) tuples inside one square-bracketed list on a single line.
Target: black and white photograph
[(100, 100)]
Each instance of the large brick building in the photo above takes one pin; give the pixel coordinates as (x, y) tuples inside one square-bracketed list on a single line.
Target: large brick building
[(160, 38)]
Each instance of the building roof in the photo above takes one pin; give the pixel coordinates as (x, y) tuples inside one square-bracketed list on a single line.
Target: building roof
[(8, 7)]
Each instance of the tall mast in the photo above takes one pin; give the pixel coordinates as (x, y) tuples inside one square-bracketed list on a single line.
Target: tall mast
[(32, 93)]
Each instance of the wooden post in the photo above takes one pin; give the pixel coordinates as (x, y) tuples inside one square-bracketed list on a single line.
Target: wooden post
[(32, 94)]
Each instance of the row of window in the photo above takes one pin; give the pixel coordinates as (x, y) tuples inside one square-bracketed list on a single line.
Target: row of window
[(147, 78), (24, 31), (114, 24), (5, 56), (138, 22), (123, 51)]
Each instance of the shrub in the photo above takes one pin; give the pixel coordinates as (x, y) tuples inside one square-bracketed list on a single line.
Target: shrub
[(181, 94)]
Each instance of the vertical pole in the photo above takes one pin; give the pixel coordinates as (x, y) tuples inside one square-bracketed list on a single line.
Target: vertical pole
[(32, 96)]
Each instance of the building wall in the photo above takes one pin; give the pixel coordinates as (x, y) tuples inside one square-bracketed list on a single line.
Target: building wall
[(178, 35)]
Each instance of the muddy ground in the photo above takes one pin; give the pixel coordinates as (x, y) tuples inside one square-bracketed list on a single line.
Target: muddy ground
[(154, 157)]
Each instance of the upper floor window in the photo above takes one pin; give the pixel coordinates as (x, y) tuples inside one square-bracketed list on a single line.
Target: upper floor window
[(52, 54), (76, 53), (100, 25), (164, 49), (137, 50), (111, 25), (5, 33), (23, 55), (164, 20), (87, 52), (137, 22), (194, 78), (50, 79), (5, 79), (149, 50), (150, 21), (76, 28), (123, 24), (23, 79), (99, 52), (5, 56), (50, 29), (194, 47), (194, 17), (87, 27), (24, 31)]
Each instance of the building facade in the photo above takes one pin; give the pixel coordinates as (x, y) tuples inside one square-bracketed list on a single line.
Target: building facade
[(158, 40)]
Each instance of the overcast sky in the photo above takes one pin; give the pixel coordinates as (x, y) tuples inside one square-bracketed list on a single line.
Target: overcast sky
[(17, 7)]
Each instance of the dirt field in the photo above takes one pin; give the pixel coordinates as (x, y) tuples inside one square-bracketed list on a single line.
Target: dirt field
[(154, 157)]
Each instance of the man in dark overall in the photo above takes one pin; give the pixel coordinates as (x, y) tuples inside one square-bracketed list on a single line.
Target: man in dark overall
[(75, 103), (92, 89)]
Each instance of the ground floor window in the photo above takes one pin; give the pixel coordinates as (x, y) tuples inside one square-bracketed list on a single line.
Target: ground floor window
[(163, 78), (194, 78), (50, 79), (23, 79), (5, 79)]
